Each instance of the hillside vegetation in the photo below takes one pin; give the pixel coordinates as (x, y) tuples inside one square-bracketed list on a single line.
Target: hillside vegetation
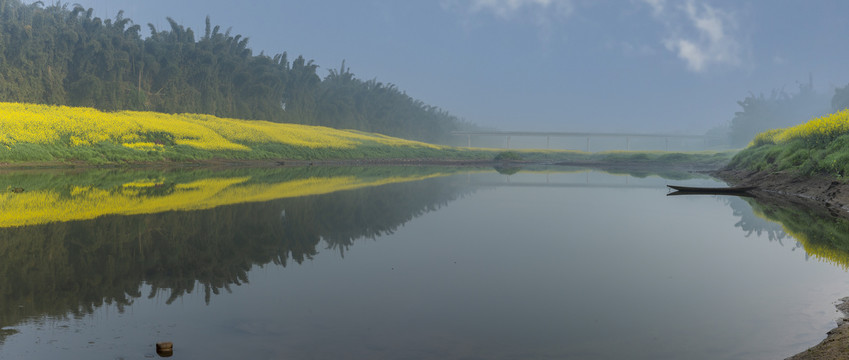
[(36, 133), (62, 55), (820, 146)]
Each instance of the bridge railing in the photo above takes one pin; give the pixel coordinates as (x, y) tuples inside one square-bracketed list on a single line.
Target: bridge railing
[(507, 135)]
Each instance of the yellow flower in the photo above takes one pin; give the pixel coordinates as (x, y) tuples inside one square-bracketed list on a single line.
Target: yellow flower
[(43, 124)]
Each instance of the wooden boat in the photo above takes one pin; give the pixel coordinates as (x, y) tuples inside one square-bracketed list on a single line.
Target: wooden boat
[(712, 190)]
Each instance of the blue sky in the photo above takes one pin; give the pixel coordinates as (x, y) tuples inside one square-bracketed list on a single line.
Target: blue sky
[(548, 65)]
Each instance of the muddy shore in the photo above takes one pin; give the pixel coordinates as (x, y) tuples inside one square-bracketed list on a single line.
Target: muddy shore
[(827, 192)]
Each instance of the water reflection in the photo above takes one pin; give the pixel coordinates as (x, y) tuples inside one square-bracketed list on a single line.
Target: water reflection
[(822, 231), (256, 217), (751, 223), (74, 241), (61, 268), (54, 197)]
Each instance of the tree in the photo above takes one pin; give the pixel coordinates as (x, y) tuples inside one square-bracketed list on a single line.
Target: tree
[(61, 56), (779, 110), (840, 100)]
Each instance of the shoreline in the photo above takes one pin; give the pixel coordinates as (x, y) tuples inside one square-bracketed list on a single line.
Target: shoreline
[(217, 162), (45, 165), (824, 191), (836, 344)]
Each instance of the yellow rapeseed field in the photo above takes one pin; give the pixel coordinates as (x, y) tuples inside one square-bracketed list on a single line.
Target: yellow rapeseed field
[(74, 126), (819, 130)]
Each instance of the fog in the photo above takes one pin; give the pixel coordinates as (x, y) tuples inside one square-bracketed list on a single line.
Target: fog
[(558, 65)]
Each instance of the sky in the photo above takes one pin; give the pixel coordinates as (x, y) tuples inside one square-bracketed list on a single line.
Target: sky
[(547, 65)]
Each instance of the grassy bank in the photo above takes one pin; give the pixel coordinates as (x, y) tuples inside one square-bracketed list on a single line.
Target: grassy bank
[(820, 146), (34, 134), (37, 133)]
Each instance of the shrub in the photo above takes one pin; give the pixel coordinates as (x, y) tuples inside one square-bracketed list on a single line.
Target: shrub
[(508, 156)]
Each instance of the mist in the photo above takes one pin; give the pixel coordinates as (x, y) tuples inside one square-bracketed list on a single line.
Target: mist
[(644, 66)]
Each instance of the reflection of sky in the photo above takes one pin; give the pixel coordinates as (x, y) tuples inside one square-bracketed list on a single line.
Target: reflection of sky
[(582, 177), (510, 271)]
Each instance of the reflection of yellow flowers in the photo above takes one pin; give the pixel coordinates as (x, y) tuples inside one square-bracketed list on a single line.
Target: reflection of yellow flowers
[(818, 130), (43, 124), (821, 252), (88, 202)]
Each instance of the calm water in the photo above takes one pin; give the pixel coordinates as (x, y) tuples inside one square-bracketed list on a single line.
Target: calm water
[(407, 263)]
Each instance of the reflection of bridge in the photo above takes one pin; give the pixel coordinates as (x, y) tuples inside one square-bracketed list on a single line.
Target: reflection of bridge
[(579, 181), (569, 185), (588, 135)]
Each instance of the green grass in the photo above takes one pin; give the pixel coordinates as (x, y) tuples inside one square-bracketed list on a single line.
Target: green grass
[(106, 153), (817, 147), (797, 156), (36, 135)]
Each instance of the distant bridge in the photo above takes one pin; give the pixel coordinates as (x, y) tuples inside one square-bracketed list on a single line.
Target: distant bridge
[(588, 135)]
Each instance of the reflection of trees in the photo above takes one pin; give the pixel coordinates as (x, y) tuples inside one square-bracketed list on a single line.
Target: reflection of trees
[(823, 233), (74, 267), (639, 172), (354, 215), (670, 174), (751, 223)]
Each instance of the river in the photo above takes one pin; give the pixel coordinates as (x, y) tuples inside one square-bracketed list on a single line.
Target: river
[(407, 263)]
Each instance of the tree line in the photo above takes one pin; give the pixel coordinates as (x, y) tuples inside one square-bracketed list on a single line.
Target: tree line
[(759, 113), (63, 55), (779, 110), (72, 268)]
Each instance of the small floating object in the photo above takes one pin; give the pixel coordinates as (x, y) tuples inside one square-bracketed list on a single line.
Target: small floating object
[(165, 349), (689, 190)]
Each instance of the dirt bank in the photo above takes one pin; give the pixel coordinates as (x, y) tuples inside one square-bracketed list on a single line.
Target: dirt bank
[(830, 193), (823, 189), (836, 344)]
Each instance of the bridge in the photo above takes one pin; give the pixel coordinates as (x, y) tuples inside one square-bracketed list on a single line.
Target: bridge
[(588, 135)]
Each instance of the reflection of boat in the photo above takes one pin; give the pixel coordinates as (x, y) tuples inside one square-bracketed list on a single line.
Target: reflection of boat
[(683, 190)]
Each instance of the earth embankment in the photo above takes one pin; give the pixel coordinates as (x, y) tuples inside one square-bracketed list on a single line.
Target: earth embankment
[(831, 193)]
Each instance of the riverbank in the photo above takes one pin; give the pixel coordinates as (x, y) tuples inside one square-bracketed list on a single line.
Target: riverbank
[(836, 344), (825, 192), (824, 189), (58, 136)]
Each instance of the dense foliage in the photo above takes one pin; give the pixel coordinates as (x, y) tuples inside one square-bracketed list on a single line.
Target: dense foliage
[(37, 133), (780, 109), (840, 100), (818, 146), (65, 56), (30, 132)]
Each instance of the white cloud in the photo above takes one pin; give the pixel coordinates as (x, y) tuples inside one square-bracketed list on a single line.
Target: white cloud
[(699, 34)]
